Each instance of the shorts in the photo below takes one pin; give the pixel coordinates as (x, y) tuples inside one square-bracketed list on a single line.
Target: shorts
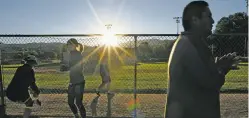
[(105, 78), (29, 102), (76, 89)]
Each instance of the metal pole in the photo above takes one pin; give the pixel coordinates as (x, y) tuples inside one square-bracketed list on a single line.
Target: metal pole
[(245, 36), (245, 47), (177, 23), (108, 26), (2, 105), (135, 79), (246, 6)]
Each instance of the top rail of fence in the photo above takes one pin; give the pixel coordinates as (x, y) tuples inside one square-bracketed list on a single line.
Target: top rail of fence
[(92, 35)]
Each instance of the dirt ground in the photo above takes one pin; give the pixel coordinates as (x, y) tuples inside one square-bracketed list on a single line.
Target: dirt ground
[(151, 105)]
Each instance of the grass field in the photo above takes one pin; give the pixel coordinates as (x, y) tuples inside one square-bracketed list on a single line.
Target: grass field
[(150, 77)]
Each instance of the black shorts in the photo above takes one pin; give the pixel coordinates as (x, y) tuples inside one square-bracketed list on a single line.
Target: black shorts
[(29, 102), (105, 78), (76, 89), (104, 70)]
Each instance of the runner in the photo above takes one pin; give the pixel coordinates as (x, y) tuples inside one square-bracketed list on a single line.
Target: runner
[(77, 82), (21, 84), (104, 73)]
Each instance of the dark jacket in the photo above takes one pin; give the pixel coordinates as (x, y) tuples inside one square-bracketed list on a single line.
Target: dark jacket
[(23, 79), (194, 81)]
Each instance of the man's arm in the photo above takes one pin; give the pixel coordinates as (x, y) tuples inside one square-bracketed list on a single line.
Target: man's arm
[(211, 78), (33, 85)]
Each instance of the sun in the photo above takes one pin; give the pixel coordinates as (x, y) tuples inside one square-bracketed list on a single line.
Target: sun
[(109, 39)]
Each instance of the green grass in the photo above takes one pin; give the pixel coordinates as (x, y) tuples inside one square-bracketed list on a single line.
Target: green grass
[(149, 77)]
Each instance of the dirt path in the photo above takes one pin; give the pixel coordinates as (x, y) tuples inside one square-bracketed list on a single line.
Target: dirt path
[(152, 105)]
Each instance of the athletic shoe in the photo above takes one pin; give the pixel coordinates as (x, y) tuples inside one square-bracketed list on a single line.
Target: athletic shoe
[(98, 92)]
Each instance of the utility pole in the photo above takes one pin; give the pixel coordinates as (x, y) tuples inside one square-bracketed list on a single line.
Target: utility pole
[(108, 26), (177, 23), (246, 6)]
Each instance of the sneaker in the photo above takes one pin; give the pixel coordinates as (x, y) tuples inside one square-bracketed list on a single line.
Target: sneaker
[(110, 94), (38, 102), (76, 116), (98, 92)]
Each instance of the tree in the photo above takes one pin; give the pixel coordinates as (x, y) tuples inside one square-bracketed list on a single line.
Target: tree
[(50, 55), (159, 51), (168, 47), (58, 50), (64, 48), (163, 50), (144, 51), (40, 54), (34, 53), (18, 55), (235, 23)]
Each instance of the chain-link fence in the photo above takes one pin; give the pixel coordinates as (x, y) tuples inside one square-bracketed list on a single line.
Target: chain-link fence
[(138, 69)]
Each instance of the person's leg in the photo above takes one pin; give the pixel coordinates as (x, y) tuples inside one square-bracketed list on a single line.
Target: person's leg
[(71, 98), (80, 105), (100, 86), (108, 84), (72, 105), (28, 108), (93, 106), (79, 90), (27, 112)]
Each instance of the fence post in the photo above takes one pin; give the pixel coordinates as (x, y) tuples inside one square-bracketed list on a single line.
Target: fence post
[(245, 47), (135, 78), (2, 105)]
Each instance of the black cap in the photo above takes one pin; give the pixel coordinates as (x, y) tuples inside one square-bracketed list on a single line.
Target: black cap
[(30, 59), (72, 41)]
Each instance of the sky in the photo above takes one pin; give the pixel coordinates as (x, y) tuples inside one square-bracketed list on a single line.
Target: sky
[(90, 16)]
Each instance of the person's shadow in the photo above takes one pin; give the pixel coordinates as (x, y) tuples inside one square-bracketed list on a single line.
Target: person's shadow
[(109, 105), (94, 106)]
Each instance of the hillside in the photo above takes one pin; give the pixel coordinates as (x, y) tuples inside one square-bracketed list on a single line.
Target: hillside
[(151, 42)]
